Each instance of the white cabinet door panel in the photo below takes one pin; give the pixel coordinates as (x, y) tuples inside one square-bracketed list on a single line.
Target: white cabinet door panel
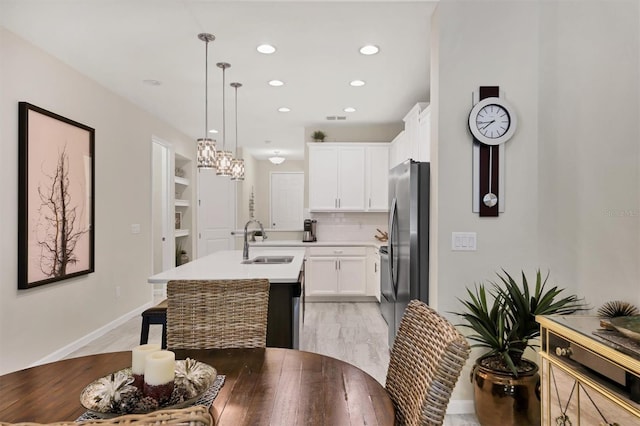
[(352, 275), (321, 276), (351, 173), (323, 178), (378, 178)]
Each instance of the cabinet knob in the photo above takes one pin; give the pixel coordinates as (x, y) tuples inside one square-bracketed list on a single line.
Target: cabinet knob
[(567, 352)]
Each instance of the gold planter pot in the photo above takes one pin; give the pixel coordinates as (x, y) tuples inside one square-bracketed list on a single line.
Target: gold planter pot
[(505, 400)]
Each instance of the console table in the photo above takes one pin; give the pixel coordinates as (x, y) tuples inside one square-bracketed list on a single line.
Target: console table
[(587, 378)]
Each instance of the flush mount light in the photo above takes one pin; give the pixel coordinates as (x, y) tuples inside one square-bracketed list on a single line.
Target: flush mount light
[(213, 131), (369, 49), (276, 159), (349, 109), (284, 109), (357, 83), (276, 83), (267, 49)]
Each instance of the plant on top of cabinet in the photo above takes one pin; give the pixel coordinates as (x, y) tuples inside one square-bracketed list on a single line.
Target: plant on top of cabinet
[(506, 325), (318, 136)]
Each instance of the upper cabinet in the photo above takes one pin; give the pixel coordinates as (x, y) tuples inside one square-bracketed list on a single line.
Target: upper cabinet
[(414, 142), (348, 177)]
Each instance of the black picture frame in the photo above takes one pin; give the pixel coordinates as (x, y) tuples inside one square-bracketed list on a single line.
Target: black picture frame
[(56, 197)]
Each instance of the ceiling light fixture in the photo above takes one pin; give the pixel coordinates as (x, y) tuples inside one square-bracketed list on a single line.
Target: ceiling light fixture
[(237, 164), (276, 159), (276, 83), (267, 49), (349, 109), (206, 151), (284, 109), (213, 131), (223, 158), (357, 83), (369, 49)]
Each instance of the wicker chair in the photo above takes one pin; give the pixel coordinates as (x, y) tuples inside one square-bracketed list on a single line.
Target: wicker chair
[(427, 357), (191, 416), (215, 314)]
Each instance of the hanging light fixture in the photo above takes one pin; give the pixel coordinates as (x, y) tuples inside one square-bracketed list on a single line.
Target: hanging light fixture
[(223, 158), (276, 159), (237, 164), (206, 151)]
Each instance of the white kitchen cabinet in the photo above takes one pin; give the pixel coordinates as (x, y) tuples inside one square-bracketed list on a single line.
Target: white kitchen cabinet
[(335, 272), (414, 141), (348, 177), (373, 272), (378, 178), (336, 177)]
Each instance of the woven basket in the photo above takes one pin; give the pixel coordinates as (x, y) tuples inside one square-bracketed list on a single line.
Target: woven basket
[(427, 357), (217, 314), (191, 416)]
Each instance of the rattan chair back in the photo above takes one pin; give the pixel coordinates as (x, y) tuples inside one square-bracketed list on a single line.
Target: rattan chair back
[(217, 314), (197, 415), (426, 359)]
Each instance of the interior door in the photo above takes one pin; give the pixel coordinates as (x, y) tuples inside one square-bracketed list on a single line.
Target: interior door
[(216, 212), (287, 200), (161, 220)]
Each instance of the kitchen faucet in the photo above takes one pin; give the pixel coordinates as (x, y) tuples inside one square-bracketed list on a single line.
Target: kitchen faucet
[(245, 248)]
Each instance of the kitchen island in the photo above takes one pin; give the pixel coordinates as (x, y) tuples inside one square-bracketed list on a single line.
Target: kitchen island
[(286, 301)]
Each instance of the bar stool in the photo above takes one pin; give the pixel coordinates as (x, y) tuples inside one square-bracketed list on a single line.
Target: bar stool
[(155, 315)]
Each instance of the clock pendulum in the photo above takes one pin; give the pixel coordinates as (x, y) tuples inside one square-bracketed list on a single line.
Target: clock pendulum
[(490, 199)]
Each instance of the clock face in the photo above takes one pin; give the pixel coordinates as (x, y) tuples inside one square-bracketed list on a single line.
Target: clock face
[(492, 121)]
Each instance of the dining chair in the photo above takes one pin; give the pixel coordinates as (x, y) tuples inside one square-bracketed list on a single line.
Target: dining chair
[(426, 360), (197, 415), (217, 314)]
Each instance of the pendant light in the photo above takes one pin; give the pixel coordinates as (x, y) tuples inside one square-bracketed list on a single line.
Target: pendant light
[(237, 164), (206, 151), (223, 158)]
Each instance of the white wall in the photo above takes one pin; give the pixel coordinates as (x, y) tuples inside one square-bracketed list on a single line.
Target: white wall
[(37, 322), (570, 69)]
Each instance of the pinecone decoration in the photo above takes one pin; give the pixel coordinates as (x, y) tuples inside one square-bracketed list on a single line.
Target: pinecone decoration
[(114, 388), (129, 402), (192, 377), (146, 405)]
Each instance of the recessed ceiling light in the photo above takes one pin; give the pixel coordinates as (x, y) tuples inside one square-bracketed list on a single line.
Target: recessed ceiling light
[(267, 49), (276, 83), (349, 109), (213, 131), (369, 49), (152, 82), (357, 83), (284, 109)]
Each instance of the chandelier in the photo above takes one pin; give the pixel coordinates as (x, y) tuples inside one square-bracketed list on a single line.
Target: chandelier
[(206, 151), (223, 158)]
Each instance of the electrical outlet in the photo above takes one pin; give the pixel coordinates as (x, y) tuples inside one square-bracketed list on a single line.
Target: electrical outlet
[(135, 228)]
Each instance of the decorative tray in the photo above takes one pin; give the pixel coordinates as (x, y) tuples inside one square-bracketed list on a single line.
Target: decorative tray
[(629, 326), (114, 395)]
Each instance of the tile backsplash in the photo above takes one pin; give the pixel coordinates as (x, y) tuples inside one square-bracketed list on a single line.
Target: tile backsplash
[(349, 226)]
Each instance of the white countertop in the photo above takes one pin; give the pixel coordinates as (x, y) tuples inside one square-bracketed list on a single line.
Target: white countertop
[(227, 265), (297, 243)]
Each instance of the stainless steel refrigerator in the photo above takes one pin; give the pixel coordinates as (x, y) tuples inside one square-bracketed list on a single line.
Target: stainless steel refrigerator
[(408, 269)]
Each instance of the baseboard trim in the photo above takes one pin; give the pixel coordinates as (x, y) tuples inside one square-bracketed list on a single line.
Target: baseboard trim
[(460, 406), (85, 340)]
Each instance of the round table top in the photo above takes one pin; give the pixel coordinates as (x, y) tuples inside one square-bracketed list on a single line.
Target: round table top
[(266, 386)]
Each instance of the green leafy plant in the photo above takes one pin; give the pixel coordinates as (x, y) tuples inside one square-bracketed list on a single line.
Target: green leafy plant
[(318, 136), (503, 316)]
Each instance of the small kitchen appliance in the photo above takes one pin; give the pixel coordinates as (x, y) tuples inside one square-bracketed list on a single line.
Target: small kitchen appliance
[(309, 234)]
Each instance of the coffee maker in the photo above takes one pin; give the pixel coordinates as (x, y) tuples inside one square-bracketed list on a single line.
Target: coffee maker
[(309, 234)]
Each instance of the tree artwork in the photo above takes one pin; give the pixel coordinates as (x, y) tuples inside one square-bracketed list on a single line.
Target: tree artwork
[(60, 233)]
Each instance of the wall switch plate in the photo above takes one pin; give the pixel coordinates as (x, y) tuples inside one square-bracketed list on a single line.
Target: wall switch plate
[(135, 228), (463, 241)]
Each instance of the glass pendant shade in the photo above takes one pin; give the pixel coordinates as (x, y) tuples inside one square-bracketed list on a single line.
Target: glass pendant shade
[(206, 153), (223, 163), (237, 169)]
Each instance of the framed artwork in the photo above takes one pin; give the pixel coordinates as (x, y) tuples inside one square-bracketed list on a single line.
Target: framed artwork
[(178, 220), (55, 197)]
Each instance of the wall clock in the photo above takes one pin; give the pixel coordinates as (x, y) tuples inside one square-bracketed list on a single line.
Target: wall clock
[(492, 122)]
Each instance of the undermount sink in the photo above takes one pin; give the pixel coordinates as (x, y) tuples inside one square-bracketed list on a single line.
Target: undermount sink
[(269, 260)]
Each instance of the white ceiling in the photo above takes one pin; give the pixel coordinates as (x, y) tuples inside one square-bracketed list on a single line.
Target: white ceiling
[(120, 43)]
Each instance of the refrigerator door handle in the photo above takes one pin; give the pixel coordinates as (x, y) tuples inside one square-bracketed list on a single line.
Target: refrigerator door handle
[(392, 249)]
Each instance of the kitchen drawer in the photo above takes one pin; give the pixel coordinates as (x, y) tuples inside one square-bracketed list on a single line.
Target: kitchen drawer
[(337, 251)]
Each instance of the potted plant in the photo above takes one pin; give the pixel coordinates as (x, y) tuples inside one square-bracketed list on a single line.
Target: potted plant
[(502, 318), (318, 136)]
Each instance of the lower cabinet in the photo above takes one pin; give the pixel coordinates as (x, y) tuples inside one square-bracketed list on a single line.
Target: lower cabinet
[(336, 271), (373, 272)]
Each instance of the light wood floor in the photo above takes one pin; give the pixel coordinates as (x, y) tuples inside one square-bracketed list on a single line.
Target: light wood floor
[(352, 332)]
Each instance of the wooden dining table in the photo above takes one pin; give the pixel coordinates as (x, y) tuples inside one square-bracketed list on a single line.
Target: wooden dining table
[(271, 386)]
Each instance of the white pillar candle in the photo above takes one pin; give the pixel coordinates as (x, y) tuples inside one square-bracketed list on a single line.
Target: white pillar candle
[(160, 368), (139, 355)]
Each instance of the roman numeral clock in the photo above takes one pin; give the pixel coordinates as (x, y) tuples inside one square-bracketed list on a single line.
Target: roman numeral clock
[(492, 122)]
